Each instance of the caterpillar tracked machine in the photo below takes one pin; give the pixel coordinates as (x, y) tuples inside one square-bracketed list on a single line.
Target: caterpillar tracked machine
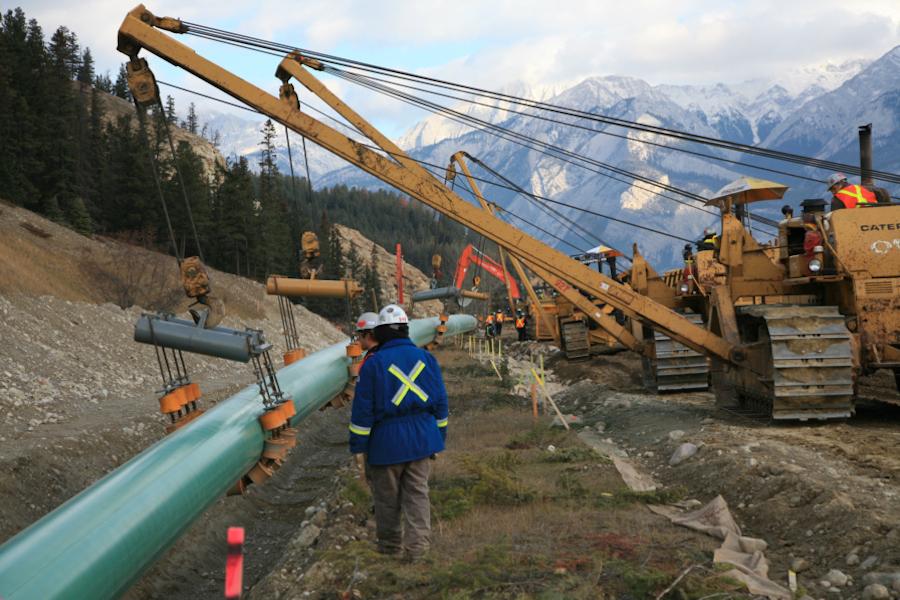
[(836, 314)]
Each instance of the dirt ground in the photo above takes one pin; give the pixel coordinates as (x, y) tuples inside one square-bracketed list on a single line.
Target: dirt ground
[(521, 509), (823, 495)]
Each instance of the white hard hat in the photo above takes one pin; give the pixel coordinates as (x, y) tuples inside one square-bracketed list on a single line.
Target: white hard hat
[(366, 321), (392, 315), (709, 231), (836, 178)]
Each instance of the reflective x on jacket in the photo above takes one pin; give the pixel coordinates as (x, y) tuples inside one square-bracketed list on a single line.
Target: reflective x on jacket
[(400, 408)]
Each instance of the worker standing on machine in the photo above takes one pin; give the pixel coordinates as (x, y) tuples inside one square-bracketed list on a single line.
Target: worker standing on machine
[(848, 195), (710, 240), (399, 421), (498, 323), (520, 326)]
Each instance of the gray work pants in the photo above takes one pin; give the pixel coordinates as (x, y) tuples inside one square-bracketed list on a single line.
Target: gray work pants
[(402, 489)]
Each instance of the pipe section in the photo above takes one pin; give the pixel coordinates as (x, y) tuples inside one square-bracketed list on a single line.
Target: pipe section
[(99, 543), (180, 334), (312, 288), (443, 293)]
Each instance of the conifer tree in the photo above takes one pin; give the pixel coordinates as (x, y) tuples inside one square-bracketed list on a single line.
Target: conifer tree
[(78, 216), (192, 121), (120, 87), (171, 115), (86, 68)]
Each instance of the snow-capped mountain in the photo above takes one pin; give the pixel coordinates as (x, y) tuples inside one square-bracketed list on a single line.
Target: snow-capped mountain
[(240, 136), (812, 111)]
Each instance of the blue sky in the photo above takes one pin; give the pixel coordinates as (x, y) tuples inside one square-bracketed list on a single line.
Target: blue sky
[(505, 41)]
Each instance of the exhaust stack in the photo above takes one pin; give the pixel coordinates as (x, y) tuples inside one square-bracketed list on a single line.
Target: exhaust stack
[(865, 155)]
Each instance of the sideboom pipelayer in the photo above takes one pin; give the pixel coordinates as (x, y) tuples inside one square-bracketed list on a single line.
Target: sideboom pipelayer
[(757, 352)]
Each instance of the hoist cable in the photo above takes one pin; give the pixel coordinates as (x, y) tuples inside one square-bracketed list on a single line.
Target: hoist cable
[(512, 188), (162, 197), (187, 203), (551, 150), (253, 43)]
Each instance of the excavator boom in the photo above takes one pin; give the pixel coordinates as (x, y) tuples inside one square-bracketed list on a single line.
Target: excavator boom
[(400, 171), (470, 255)]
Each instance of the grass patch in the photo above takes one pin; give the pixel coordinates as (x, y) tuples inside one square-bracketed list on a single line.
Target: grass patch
[(486, 481), (356, 491), (572, 454), (625, 497), (538, 436)]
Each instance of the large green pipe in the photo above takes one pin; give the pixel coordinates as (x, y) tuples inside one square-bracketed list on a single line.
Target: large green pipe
[(97, 544)]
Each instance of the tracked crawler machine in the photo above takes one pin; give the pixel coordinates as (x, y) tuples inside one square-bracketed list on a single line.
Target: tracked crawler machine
[(798, 367)]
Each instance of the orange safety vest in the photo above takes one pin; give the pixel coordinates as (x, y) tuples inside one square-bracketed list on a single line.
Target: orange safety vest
[(489, 320), (520, 322), (500, 317), (853, 195)]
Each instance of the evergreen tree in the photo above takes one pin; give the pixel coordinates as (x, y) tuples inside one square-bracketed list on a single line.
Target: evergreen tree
[(86, 68), (235, 204), (63, 119), (120, 87), (171, 115), (64, 55), (103, 83), (197, 191), (274, 243), (78, 216), (372, 282), (192, 121)]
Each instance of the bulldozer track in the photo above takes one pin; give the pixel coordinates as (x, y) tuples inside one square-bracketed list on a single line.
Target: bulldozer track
[(810, 367), (575, 339), (677, 368)]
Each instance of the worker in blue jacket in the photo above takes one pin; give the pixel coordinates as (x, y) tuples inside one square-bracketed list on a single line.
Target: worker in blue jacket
[(399, 421)]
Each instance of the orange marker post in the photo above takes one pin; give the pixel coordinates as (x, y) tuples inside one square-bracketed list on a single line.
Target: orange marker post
[(234, 563)]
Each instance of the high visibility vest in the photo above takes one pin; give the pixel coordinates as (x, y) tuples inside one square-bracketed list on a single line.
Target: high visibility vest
[(712, 240), (490, 320), (500, 317), (852, 195), (520, 322)]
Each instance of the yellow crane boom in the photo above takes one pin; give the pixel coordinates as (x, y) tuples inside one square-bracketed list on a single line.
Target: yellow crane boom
[(141, 29)]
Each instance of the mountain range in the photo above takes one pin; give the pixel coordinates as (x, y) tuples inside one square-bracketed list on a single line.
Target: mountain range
[(812, 111)]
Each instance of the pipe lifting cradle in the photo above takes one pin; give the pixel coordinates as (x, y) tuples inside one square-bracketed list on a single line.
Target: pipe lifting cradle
[(143, 30), (98, 543)]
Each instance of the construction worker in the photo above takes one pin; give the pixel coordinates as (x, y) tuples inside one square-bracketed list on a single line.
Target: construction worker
[(520, 326), (710, 240), (498, 322), (399, 421), (848, 195), (489, 325), (365, 331)]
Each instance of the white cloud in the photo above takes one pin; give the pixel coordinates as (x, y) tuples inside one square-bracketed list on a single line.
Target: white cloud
[(492, 44)]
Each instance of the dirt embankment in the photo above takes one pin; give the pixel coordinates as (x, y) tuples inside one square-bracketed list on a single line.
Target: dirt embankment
[(386, 266), (78, 396)]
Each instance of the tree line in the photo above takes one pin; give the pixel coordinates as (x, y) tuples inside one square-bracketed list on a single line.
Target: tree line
[(64, 156)]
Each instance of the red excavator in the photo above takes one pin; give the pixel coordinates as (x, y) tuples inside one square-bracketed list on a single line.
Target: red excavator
[(470, 255)]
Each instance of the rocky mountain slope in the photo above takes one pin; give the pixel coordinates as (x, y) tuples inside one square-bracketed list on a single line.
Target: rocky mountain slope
[(115, 108), (812, 111), (386, 266)]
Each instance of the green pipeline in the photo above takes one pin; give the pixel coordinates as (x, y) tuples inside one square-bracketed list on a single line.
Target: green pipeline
[(99, 543)]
